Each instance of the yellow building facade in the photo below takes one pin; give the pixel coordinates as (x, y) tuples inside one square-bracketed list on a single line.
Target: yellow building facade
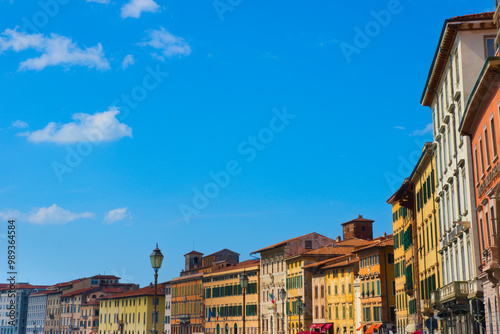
[(428, 234), (224, 299), (402, 222), (131, 312), (340, 294)]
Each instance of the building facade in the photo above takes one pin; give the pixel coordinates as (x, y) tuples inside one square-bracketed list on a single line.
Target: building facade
[(37, 306), (224, 305), (273, 274), (131, 312), (464, 43), (378, 290), (481, 124)]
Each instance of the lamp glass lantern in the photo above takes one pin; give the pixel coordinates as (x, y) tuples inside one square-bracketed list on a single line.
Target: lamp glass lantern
[(156, 258), (244, 281), (282, 294)]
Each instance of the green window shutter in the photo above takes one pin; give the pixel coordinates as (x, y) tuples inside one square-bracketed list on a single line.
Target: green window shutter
[(300, 281), (378, 287)]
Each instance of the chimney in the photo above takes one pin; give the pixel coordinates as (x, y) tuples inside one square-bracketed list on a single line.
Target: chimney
[(385, 235), (338, 239), (360, 216)]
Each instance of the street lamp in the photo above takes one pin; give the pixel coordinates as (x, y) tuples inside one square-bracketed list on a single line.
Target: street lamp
[(156, 259), (244, 286), (301, 307), (283, 297)]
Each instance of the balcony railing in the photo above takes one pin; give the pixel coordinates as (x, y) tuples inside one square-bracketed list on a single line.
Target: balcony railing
[(490, 257), (454, 291)]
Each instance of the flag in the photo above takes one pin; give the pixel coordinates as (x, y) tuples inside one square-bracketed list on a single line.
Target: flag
[(209, 314), (272, 297), (218, 314)]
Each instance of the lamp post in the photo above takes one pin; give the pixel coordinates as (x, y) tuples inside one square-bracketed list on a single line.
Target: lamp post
[(283, 297), (244, 286), (156, 259)]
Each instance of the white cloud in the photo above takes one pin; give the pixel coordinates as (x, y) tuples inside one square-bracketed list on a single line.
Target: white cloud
[(43, 216), (100, 1), (128, 61), (422, 132), (20, 124), (55, 50), (136, 7), (169, 44), (98, 127), (116, 215)]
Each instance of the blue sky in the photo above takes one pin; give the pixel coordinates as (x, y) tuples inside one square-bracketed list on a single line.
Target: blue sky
[(116, 115)]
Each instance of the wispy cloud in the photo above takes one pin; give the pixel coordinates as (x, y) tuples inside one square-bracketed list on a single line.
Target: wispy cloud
[(168, 44), (100, 1), (55, 50), (128, 61), (44, 216), (20, 124), (399, 127), (116, 215), (99, 127), (423, 131), (136, 7)]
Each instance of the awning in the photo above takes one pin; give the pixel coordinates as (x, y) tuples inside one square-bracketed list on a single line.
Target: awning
[(418, 332), (316, 326), (362, 326), (326, 328), (377, 326), (370, 329)]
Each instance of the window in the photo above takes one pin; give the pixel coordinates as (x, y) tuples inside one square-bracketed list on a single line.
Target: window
[(487, 144), (490, 46), (308, 244), (493, 137), (481, 154), (390, 258)]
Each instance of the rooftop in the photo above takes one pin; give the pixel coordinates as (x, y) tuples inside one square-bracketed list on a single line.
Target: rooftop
[(284, 242), (359, 219)]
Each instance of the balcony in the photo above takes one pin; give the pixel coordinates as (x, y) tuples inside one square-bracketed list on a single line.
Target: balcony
[(452, 292), (490, 258), (435, 301), (409, 288)]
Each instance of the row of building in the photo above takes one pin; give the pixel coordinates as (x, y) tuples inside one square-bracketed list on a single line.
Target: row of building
[(308, 283), (445, 213)]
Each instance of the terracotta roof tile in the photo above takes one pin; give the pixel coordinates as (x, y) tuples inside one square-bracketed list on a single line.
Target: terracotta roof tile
[(359, 219), (78, 292), (473, 17), (244, 264), (146, 291), (283, 243), (342, 264)]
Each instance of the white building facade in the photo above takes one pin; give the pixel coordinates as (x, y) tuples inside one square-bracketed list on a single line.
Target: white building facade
[(167, 328), (464, 44), (37, 305)]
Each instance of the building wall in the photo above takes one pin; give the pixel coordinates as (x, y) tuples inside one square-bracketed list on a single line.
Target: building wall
[(428, 233), (187, 304), (130, 315), (341, 308), (37, 305), (297, 283), (223, 291), (53, 313), (376, 272), (168, 309)]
